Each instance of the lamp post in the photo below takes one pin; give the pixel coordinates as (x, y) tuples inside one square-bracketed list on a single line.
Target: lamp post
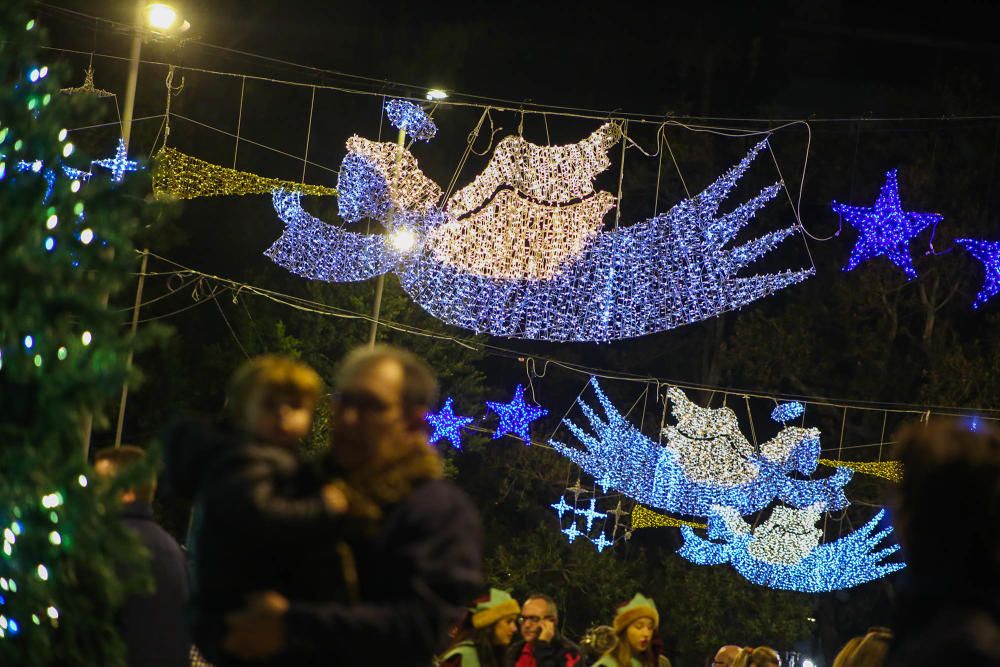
[(165, 19)]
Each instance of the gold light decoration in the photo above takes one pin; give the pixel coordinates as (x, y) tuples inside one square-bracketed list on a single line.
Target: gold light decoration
[(180, 176), (514, 237), (88, 87), (890, 470), (643, 517), (550, 174)]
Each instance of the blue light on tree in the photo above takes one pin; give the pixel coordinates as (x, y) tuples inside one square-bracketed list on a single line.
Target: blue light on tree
[(411, 118), (987, 252), (119, 164), (786, 412), (572, 532), (885, 229), (447, 425), (516, 416), (781, 554), (706, 461)]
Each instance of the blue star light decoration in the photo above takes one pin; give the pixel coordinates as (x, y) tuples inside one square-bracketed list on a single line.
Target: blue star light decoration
[(706, 461), (844, 563), (786, 412), (590, 514), (516, 416), (411, 118), (602, 542), (885, 229), (673, 269), (572, 532), (119, 164), (561, 507), (447, 425), (987, 252)]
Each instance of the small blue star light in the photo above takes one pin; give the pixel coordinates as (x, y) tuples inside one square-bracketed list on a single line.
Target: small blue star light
[(885, 228), (987, 252), (601, 542), (118, 164), (786, 412), (447, 425), (561, 507), (591, 514), (516, 416), (411, 119), (572, 532)]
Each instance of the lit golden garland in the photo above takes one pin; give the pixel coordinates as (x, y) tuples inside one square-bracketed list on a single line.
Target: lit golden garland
[(890, 470), (180, 176), (551, 174), (513, 237), (643, 517)]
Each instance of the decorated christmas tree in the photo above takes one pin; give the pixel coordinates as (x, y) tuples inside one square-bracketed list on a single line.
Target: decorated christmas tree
[(65, 246)]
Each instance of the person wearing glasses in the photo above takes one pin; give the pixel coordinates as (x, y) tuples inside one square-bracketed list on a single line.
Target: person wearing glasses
[(486, 632), (541, 644), (413, 574)]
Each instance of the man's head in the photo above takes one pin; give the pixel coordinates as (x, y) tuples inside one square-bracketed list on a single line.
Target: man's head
[(725, 656), (380, 399), (950, 487), (273, 399), (537, 610), (114, 462)]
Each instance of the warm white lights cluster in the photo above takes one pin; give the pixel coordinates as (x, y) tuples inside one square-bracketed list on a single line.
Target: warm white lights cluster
[(550, 174), (514, 237)]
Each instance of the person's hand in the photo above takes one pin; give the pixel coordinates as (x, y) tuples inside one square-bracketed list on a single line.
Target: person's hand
[(548, 630), (334, 498), (257, 631)]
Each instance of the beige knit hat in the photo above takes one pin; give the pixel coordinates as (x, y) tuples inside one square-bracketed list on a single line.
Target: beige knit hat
[(492, 607), (638, 607)]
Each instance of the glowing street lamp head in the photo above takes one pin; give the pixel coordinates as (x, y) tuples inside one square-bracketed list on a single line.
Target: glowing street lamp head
[(161, 16), (403, 240), (435, 94)]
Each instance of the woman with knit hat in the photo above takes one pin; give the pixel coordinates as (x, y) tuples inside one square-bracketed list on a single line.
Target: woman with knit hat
[(486, 632), (636, 624)]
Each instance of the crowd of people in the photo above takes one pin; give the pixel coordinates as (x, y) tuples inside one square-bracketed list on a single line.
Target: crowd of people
[(370, 556)]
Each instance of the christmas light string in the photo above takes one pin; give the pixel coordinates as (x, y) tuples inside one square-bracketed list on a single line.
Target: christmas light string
[(179, 270)]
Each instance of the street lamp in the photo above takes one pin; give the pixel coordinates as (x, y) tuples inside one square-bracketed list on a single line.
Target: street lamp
[(164, 18), (435, 94)]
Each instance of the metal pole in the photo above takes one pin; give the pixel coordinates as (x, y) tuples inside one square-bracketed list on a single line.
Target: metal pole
[(127, 113), (380, 283), (128, 362)]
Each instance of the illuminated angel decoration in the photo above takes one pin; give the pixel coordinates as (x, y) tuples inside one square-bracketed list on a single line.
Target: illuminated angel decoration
[(521, 251), (784, 552), (705, 461)]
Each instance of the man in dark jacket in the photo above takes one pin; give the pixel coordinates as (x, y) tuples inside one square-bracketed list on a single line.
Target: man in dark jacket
[(422, 564), (152, 626), (542, 645), (947, 514)]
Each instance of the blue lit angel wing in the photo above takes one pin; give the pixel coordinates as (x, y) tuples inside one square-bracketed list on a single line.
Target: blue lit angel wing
[(315, 249), (843, 563)]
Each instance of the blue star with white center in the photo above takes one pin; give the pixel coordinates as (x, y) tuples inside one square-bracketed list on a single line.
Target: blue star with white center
[(447, 425), (885, 229), (118, 164), (987, 252), (516, 416)]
